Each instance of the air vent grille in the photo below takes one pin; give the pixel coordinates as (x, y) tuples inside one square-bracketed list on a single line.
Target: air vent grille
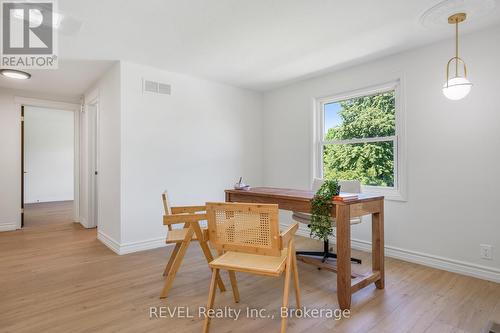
[(151, 86), (156, 87), (164, 88)]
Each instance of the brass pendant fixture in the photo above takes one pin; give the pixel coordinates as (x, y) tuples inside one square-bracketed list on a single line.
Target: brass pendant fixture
[(458, 86)]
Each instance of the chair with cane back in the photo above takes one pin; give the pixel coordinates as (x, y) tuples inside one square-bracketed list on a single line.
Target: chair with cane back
[(249, 238)]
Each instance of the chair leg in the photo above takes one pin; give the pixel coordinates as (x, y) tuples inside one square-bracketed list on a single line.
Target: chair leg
[(171, 259), (211, 299), (176, 264), (234, 285), (207, 253), (286, 289), (296, 280)]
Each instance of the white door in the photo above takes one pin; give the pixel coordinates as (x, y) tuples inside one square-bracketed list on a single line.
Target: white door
[(93, 167)]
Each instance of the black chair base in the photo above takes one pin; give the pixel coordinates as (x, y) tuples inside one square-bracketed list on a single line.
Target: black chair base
[(325, 254)]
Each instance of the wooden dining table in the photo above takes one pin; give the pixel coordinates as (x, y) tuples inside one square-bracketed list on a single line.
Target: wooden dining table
[(365, 204)]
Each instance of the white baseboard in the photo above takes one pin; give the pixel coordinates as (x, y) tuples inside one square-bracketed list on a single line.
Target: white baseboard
[(124, 248), (108, 241), (142, 245), (8, 227), (447, 264), (83, 221)]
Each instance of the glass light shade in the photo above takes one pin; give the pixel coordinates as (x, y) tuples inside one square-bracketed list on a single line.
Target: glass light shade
[(457, 88), (15, 74)]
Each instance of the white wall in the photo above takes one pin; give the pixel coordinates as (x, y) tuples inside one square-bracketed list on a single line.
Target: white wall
[(49, 154), (10, 163), (452, 150), (10, 152), (196, 142)]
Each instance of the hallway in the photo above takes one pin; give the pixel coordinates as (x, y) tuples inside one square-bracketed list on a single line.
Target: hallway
[(48, 213)]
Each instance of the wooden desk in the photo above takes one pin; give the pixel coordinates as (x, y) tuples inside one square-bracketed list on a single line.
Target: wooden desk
[(366, 204)]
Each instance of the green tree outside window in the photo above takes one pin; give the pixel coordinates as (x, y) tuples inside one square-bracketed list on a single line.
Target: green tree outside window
[(371, 163)]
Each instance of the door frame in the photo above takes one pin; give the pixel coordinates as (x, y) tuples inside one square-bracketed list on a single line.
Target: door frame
[(93, 151), (20, 102), (23, 171)]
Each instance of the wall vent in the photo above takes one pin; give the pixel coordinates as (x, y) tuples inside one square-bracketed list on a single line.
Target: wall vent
[(156, 87), (164, 88)]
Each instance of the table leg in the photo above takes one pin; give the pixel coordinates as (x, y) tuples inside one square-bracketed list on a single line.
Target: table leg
[(343, 256), (378, 244)]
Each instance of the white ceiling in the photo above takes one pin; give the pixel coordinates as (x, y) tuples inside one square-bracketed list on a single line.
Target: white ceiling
[(257, 44), (69, 81)]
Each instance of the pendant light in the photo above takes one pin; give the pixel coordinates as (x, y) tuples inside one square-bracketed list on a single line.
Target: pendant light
[(458, 86)]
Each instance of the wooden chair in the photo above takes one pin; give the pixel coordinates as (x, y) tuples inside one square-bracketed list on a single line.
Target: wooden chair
[(249, 237), (182, 237)]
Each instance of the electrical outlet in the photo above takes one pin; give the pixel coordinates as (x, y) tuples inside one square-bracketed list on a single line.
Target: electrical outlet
[(486, 251)]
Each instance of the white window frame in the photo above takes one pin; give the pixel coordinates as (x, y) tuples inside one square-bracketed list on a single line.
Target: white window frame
[(398, 191)]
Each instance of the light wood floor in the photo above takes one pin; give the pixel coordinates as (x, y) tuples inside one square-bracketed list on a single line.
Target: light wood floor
[(44, 213), (56, 277)]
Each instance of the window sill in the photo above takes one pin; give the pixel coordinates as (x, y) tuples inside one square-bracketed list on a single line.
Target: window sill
[(391, 194)]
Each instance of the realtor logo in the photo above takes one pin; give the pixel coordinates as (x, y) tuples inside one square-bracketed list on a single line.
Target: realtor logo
[(28, 35)]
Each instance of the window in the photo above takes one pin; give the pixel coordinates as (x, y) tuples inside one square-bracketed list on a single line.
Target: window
[(359, 137)]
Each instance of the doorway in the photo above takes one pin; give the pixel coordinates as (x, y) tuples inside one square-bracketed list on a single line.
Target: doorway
[(85, 210), (48, 165)]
